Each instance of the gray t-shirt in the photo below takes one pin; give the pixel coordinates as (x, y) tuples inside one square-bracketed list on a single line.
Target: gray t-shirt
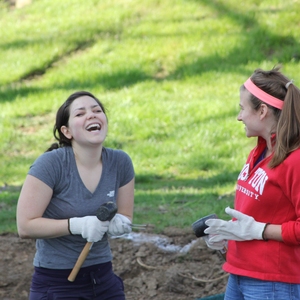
[(71, 198)]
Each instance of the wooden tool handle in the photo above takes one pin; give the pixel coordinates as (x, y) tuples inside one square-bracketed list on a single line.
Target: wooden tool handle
[(84, 253), (105, 213)]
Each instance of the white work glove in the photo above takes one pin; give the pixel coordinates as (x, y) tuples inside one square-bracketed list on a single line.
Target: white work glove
[(90, 228), (119, 225), (214, 245), (244, 228)]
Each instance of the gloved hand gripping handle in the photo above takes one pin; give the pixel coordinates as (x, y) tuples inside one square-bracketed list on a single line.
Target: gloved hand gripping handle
[(105, 213), (199, 226)]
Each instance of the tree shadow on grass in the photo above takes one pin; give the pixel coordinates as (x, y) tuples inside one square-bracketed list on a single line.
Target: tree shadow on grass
[(154, 181), (181, 201), (257, 44)]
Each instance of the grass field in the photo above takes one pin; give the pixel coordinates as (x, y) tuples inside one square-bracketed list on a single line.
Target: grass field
[(169, 74)]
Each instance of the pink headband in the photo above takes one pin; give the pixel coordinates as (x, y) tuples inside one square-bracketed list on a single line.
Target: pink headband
[(263, 96)]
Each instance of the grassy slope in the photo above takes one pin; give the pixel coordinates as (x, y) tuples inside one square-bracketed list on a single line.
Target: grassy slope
[(168, 72)]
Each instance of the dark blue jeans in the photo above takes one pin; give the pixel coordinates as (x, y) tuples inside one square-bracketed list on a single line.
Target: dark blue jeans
[(246, 288), (92, 283)]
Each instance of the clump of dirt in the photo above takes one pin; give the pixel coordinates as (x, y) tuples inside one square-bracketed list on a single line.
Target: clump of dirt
[(148, 271)]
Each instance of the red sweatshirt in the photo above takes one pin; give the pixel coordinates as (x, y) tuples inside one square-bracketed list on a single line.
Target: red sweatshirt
[(269, 196)]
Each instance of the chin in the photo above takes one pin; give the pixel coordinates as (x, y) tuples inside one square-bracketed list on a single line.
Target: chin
[(248, 134)]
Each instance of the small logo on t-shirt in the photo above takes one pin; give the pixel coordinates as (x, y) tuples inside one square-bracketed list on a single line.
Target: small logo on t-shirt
[(111, 194)]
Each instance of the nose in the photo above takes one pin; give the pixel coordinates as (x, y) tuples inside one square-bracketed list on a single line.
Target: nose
[(91, 115), (239, 118)]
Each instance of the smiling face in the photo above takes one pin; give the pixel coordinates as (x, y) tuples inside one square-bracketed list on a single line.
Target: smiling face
[(249, 116), (87, 122)]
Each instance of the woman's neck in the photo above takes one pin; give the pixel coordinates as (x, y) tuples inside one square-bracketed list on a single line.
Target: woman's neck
[(87, 157)]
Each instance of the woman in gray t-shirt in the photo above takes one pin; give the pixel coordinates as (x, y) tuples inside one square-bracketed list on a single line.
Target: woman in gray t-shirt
[(59, 200)]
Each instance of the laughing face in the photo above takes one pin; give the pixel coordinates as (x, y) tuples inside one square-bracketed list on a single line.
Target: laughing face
[(87, 122)]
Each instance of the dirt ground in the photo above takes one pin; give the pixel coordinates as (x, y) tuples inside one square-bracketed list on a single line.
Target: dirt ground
[(149, 272)]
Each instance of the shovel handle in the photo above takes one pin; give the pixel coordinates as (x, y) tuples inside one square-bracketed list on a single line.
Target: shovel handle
[(81, 258)]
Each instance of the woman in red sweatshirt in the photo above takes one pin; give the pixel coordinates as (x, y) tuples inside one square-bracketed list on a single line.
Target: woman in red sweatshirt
[(263, 256)]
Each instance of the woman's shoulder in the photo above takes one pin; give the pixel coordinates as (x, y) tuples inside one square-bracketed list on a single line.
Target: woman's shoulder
[(51, 167), (294, 154), (293, 159), (117, 157), (55, 156)]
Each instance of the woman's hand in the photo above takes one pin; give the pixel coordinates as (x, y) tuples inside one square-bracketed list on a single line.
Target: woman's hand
[(244, 228)]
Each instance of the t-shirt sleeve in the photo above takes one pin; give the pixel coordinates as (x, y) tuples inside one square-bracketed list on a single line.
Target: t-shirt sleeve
[(47, 168), (126, 168)]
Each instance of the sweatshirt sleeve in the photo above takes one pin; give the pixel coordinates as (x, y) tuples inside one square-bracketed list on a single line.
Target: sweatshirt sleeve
[(290, 180), (289, 234)]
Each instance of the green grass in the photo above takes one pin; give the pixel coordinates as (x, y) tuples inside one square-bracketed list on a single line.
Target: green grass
[(169, 73)]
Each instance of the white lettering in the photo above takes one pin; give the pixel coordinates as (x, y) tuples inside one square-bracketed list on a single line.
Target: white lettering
[(247, 192), (258, 180), (244, 173)]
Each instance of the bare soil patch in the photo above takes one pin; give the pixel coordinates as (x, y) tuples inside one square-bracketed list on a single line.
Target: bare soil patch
[(148, 271)]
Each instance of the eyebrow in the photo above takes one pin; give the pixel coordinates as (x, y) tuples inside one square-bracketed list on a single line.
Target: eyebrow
[(83, 108)]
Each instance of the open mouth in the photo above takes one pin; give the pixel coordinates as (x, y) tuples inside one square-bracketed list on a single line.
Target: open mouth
[(93, 127)]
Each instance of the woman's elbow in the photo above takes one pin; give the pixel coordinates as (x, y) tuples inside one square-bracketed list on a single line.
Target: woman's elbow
[(23, 234), (22, 231)]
